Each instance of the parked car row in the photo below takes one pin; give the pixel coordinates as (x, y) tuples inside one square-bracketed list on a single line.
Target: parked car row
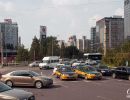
[(87, 72)]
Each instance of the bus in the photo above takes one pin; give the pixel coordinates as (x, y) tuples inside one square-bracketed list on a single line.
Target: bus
[(93, 56)]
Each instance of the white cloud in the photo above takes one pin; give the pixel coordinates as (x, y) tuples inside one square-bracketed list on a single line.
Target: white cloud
[(6, 6), (120, 12)]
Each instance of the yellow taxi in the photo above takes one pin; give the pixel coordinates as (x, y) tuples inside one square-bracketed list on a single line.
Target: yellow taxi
[(66, 73), (88, 72)]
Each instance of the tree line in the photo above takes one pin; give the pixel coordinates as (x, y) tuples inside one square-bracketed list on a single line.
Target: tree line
[(46, 47), (119, 56)]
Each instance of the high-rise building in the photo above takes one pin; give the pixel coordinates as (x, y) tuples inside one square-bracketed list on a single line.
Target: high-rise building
[(93, 39), (83, 44), (72, 40), (127, 19), (9, 31), (9, 37), (110, 32), (80, 44), (43, 32)]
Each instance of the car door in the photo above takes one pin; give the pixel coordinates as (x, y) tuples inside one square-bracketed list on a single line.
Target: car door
[(27, 79), (118, 72), (124, 73)]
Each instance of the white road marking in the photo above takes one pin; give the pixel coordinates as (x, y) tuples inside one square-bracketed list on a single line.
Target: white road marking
[(87, 81), (103, 98)]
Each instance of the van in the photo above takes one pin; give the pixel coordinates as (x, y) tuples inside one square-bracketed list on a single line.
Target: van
[(49, 62)]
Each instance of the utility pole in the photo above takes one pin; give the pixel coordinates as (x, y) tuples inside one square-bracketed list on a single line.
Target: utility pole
[(52, 46), (1, 49), (105, 41)]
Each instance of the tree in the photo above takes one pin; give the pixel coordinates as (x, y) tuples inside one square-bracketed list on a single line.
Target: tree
[(34, 53), (52, 46), (22, 54), (71, 52), (62, 50)]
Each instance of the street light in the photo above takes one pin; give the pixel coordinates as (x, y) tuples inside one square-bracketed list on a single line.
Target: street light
[(1, 49)]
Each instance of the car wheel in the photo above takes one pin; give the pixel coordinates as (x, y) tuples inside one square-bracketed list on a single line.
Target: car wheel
[(9, 83), (129, 77), (114, 75), (38, 84)]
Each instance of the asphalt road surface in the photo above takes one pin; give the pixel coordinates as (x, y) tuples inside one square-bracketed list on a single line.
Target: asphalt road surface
[(106, 89)]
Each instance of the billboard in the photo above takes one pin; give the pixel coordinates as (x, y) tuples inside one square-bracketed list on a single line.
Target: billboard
[(43, 30)]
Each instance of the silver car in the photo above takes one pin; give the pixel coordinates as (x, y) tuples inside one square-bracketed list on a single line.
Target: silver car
[(34, 64), (7, 93)]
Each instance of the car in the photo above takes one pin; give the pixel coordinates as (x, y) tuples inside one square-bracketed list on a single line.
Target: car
[(7, 93), (105, 70), (49, 62), (26, 78), (34, 64), (65, 73), (121, 72), (88, 72)]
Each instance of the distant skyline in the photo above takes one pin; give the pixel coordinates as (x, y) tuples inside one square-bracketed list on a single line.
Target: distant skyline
[(62, 17)]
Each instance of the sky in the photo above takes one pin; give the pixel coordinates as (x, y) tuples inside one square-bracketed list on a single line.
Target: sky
[(63, 18)]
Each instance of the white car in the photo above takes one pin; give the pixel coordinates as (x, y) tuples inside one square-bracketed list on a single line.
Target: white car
[(34, 64), (49, 62)]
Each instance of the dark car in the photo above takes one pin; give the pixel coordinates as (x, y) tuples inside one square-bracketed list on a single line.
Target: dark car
[(105, 70), (7, 93), (121, 72)]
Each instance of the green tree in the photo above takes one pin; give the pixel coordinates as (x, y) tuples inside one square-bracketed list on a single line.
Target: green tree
[(22, 54), (52, 46), (34, 53), (71, 52), (62, 50)]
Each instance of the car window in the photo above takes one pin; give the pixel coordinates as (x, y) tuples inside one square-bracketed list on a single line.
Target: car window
[(119, 69), (124, 69), (25, 74), (4, 87), (16, 74)]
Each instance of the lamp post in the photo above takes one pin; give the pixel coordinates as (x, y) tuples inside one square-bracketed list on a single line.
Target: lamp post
[(1, 49)]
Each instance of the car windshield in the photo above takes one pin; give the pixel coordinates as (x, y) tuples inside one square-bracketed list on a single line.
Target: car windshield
[(89, 69), (66, 69), (4, 87), (34, 73), (46, 61)]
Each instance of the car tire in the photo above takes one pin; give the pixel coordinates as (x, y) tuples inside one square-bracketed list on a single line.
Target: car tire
[(9, 83), (38, 84), (129, 77), (114, 75)]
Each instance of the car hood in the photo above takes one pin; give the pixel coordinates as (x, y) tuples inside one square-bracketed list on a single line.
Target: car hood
[(16, 93)]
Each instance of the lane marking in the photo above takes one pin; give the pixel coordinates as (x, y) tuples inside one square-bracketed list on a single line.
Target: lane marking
[(103, 98)]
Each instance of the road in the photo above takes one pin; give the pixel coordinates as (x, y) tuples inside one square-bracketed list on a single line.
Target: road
[(106, 89)]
